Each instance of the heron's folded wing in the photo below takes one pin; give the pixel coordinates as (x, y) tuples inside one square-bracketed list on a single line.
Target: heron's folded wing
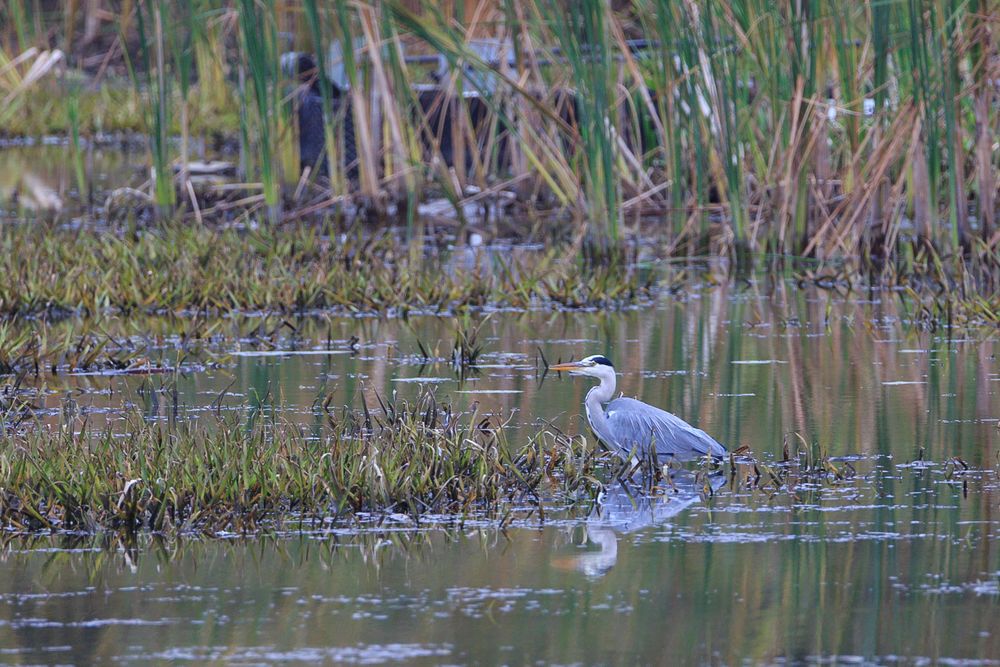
[(637, 425)]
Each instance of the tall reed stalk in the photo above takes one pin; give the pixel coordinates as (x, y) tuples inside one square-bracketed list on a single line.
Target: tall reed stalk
[(153, 84), (582, 32), (259, 41), (19, 15), (76, 143), (182, 50), (208, 42)]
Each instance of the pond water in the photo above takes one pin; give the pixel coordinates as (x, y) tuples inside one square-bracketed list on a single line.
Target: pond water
[(49, 179), (897, 561)]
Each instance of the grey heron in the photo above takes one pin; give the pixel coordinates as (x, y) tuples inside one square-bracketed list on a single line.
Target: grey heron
[(630, 426)]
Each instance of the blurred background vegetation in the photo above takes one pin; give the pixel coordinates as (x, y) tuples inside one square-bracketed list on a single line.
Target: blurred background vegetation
[(841, 128)]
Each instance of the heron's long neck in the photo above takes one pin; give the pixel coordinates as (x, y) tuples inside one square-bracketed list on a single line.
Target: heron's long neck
[(594, 403)]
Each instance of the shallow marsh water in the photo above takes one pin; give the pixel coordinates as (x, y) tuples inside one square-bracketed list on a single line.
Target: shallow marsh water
[(897, 562), (40, 179)]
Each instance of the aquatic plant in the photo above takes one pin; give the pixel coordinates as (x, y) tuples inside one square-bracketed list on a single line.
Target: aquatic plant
[(467, 346), (250, 473), (583, 35), (259, 41), (296, 268), (76, 145), (153, 85)]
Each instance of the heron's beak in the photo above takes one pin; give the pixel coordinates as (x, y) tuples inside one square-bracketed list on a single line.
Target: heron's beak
[(568, 366)]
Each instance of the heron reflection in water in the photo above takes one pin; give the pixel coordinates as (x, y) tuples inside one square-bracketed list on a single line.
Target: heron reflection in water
[(631, 427), (623, 509)]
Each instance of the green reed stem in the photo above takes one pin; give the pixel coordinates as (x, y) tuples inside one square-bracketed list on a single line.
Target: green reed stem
[(259, 40)]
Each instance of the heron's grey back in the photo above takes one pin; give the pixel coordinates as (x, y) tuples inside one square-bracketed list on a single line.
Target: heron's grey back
[(636, 424)]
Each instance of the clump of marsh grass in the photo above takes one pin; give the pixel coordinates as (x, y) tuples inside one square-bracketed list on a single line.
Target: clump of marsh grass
[(468, 345), (16, 403), (294, 269), (801, 463), (246, 474), (36, 349)]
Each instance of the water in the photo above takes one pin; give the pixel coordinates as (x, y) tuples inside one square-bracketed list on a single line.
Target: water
[(897, 562), (39, 180)]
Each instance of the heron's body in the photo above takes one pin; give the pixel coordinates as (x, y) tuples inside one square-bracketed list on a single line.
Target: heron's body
[(629, 426)]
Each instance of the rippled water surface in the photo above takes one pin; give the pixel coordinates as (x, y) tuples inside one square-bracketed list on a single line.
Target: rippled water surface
[(886, 552)]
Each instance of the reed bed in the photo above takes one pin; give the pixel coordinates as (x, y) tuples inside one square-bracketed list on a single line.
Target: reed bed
[(842, 129), (250, 473)]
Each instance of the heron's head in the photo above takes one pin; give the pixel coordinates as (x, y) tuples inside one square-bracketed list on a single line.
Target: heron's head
[(596, 366)]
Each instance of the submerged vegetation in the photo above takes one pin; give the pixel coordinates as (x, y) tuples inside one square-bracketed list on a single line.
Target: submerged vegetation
[(842, 129)]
